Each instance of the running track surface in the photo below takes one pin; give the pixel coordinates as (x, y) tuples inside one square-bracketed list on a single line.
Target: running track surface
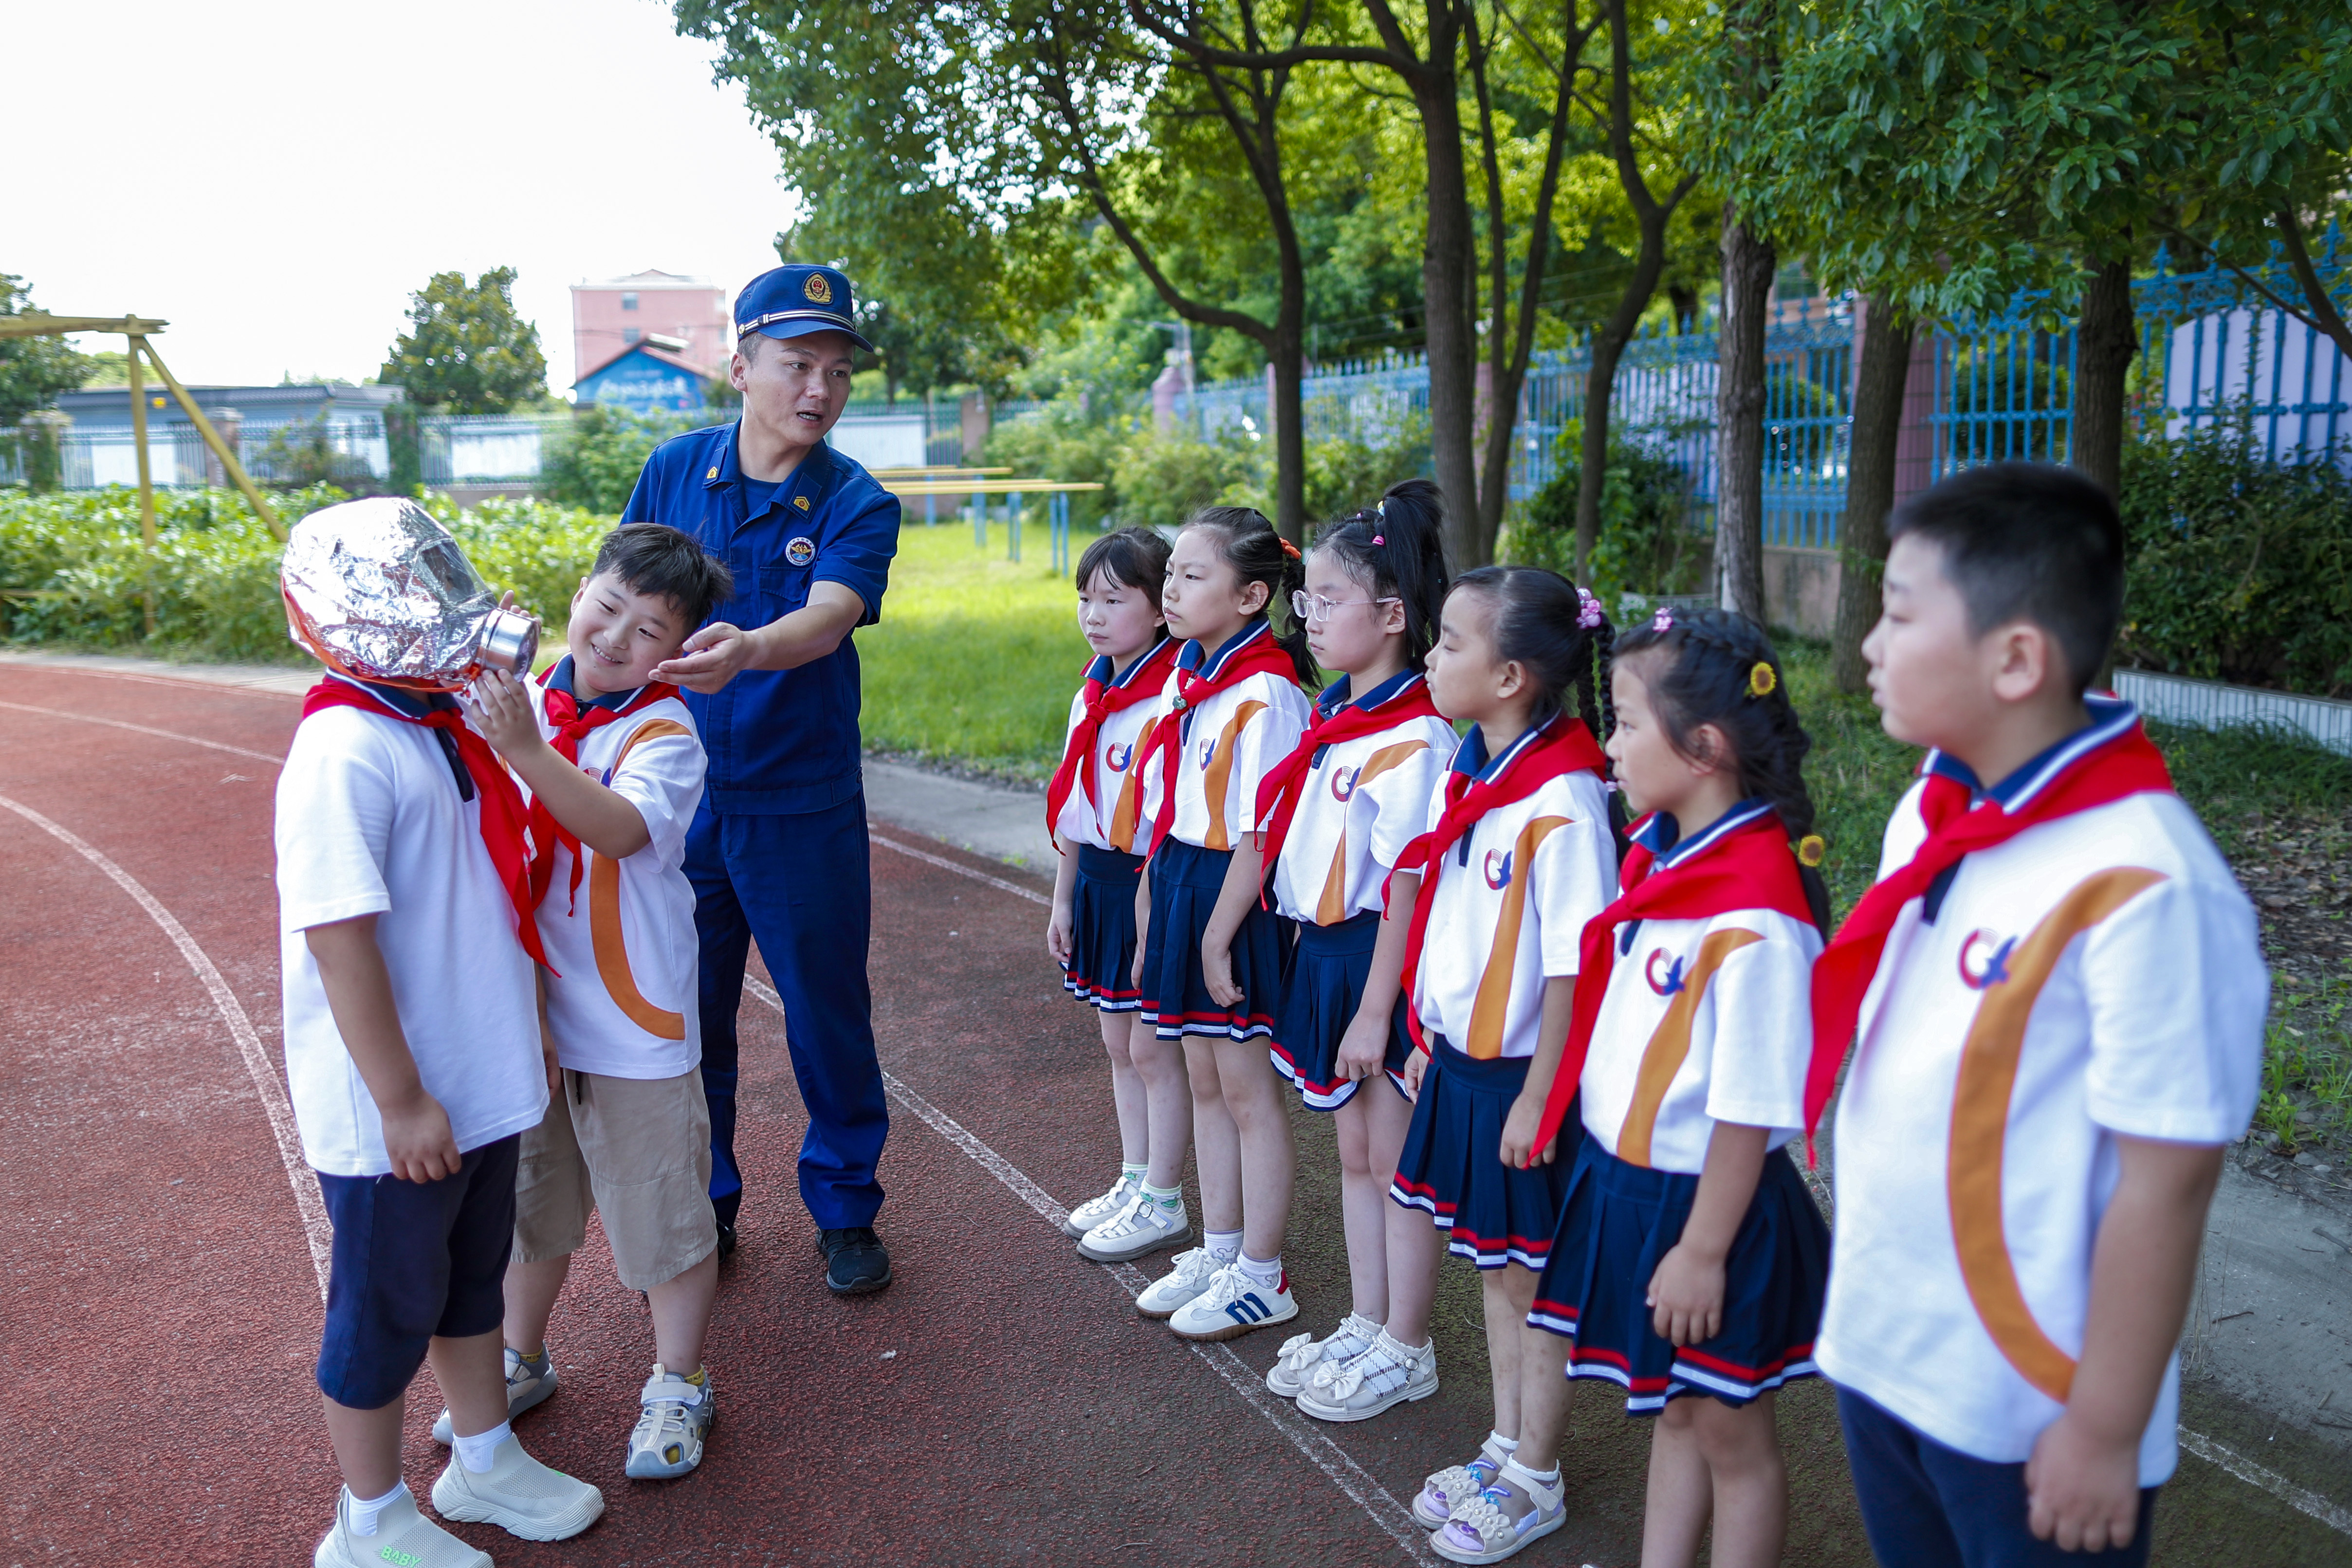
[(999, 1404)]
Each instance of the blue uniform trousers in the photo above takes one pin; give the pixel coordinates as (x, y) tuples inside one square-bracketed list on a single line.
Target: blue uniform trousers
[(799, 885)]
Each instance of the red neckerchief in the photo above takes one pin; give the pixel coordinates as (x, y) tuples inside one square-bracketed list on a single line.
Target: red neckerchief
[(2128, 764), (1565, 747), (1279, 792), (1750, 867), (503, 818), (1261, 655), (1141, 684), (572, 724)]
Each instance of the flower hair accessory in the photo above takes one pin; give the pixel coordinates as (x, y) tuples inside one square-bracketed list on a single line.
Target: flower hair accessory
[(1287, 548), (1810, 850), (1380, 538), (1587, 610), (1663, 621), (1762, 681)]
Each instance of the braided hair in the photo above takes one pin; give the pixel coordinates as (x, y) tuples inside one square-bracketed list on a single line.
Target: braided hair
[(1716, 667), (1558, 634), (1258, 554), (1396, 549)]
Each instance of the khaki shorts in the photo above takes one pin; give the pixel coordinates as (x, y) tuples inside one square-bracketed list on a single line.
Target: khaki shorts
[(635, 1150)]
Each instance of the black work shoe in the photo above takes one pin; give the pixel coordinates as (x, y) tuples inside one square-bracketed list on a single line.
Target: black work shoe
[(725, 1239), (854, 1261)]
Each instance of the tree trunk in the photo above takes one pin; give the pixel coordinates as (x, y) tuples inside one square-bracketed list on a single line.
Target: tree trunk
[(1869, 486), (1599, 384), (2104, 343), (1749, 261), (1445, 285)]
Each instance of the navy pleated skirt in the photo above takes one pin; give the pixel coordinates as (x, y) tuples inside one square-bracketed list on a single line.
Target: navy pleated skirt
[(1452, 1168), (1319, 998), (1185, 881), (1102, 971), (1619, 1222)]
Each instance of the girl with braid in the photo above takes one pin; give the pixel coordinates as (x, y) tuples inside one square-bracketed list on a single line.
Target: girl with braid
[(1690, 1264)]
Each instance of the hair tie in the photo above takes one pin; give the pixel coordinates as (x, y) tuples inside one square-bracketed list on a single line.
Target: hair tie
[(1380, 538), (1663, 621), (1810, 850), (1587, 610), (1762, 681), (1287, 548)]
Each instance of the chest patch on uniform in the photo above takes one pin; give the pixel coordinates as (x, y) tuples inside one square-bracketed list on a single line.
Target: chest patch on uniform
[(801, 552), (802, 502), (712, 475)]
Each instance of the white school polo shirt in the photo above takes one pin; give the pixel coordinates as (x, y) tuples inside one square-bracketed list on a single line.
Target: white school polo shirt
[(1704, 1022), (625, 955), (2094, 975), (1511, 903), (369, 821), (1111, 820), (1228, 740), (1361, 803)]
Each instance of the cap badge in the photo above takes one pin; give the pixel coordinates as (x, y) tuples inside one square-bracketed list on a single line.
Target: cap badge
[(801, 552), (818, 290)]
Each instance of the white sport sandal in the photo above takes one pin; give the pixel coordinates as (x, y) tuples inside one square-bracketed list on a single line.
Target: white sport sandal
[(525, 1388), (1386, 1375), (1142, 1224), (1302, 1354), (1450, 1488), (1095, 1210), (1484, 1530), (666, 1441)]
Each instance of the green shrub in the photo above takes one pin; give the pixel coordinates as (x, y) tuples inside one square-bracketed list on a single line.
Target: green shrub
[(1647, 543), (1163, 479), (1344, 475), (1064, 444), (72, 571), (2240, 566), (595, 464)]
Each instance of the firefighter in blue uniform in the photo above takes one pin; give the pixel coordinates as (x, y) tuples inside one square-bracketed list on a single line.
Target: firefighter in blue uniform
[(778, 854)]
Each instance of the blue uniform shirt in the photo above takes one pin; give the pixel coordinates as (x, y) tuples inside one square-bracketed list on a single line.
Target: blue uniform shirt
[(779, 741)]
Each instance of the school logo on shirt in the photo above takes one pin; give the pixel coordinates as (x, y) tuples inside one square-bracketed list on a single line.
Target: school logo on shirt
[(801, 552), (1498, 869), (1116, 757), (1208, 749), (1672, 980), (1343, 782), (1984, 958)]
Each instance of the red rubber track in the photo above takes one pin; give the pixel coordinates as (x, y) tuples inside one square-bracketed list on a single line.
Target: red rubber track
[(999, 1404)]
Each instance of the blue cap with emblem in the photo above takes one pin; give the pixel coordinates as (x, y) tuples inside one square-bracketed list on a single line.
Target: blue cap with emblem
[(794, 301)]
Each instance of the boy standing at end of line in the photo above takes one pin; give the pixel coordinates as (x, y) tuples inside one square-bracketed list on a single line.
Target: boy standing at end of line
[(615, 767), (413, 1059), (2059, 999)]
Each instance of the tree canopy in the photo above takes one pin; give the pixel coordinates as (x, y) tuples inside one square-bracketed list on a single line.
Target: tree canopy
[(33, 371), (466, 351)]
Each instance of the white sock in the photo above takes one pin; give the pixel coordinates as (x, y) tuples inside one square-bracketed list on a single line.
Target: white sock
[(1258, 1273), (364, 1512), (1519, 1472), (476, 1451), (1504, 1445), (1224, 1245), (1168, 1197), (1133, 1175)]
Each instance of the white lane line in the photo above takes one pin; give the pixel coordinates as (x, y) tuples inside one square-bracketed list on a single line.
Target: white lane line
[(144, 730), (2270, 1481), (1393, 1517), (1253, 1389), (257, 1067), (181, 682)]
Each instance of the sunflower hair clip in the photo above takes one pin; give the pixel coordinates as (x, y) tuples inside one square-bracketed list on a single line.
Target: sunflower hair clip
[(1761, 680), (1811, 850)]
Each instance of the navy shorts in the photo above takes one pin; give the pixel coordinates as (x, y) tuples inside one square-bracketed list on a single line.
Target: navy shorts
[(1928, 1506), (412, 1260)]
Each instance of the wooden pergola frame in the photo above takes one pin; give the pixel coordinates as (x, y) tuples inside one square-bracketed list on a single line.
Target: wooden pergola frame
[(137, 330)]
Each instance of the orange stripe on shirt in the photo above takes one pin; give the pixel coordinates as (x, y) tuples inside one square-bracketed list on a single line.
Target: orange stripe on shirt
[(1980, 1126), (1670, 1044), (1221, 767), (604, 917), (1494, 1003)]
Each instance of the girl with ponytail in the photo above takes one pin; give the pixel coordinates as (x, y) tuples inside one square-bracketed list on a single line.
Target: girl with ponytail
[(1210, 958), (1337, 813), (1690, 1264)]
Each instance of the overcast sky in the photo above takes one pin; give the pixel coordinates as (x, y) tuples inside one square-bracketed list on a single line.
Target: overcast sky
[(286, 173)]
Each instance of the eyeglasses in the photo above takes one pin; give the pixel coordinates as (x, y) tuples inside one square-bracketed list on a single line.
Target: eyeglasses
[(1316, 607)]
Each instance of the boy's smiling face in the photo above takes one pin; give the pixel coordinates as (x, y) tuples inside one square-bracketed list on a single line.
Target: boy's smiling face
[(617, 635)]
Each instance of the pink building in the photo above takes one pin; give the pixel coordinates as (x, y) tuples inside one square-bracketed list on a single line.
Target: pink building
[(685, 318)]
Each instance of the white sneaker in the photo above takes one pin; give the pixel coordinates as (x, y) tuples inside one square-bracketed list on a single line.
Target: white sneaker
[(517, 1494), (403, 1535), (1387, 1374), (1233, 1305), (1095, 1210), (1142, 1224), (1484, 1530), (1189, 1276), (671, 1424), (1301, 1354), (525, 1388)]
